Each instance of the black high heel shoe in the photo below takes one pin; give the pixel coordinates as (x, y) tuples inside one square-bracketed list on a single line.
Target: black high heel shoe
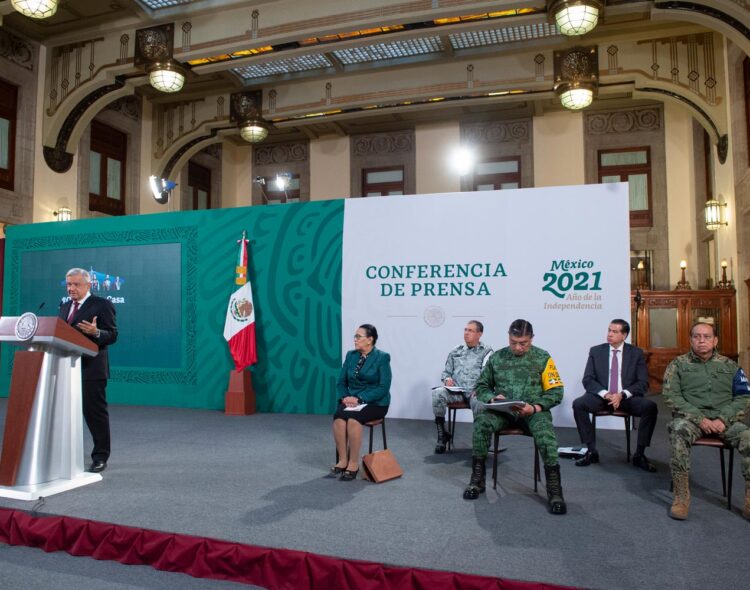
[(335, 471), (349, 475)]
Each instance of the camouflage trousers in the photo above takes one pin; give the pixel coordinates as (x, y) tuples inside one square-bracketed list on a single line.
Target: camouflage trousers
[(539, 425), (683, 433), (441, 397)]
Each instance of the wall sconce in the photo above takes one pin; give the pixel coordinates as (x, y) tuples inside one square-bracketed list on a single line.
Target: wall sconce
[(641, 276), (576, 76), (35, 8), (575, 17), (245, 110), (62, 214), (714, 214), (683, 285), (153, 51), (161, 188), (724, 283)]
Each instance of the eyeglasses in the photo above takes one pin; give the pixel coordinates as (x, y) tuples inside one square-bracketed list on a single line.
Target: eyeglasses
[(701, 337), (359, 336)]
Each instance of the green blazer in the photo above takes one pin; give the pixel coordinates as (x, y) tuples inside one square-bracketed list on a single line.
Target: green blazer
[(373, 383)]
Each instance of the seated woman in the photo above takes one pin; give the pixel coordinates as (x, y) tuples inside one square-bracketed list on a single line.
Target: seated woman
[(365, 379)]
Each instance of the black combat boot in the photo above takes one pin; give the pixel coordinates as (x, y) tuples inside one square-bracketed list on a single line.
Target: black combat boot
[(476, 483), (554, 490), (443, 436)]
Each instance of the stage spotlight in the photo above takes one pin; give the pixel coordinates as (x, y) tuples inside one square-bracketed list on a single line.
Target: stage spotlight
[(161, 188), (462, 160), (282, 181)]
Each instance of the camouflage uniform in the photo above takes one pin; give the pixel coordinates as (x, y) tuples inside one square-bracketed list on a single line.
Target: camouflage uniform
[(696, 389), (532, 378), (463, 365)]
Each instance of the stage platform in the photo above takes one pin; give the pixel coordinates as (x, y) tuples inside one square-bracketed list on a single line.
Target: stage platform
[(259, 480)]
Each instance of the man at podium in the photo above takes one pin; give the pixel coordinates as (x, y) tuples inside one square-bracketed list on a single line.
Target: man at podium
[(95, 318)]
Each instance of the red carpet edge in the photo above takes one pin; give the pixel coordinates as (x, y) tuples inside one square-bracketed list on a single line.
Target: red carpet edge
[(202, 557)]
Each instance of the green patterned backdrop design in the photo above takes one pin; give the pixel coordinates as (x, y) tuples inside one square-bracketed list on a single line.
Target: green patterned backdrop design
[(295, 270)]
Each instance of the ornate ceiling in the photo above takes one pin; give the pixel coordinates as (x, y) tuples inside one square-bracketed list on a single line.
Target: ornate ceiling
[(345, 67)]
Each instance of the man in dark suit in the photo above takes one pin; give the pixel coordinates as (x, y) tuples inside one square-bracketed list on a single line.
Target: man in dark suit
[(95, 318), (615, 379)]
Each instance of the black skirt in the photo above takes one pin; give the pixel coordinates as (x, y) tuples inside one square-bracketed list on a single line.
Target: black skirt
[(367, 414)]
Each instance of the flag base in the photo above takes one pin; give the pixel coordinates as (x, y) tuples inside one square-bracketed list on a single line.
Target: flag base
[(239, 399)]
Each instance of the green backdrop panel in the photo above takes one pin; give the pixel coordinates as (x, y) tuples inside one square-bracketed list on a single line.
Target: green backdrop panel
[(294, 268)]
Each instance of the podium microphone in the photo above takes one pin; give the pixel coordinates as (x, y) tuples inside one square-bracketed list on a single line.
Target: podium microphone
[(38, 309)]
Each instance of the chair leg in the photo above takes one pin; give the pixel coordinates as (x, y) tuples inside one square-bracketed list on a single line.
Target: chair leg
[(495, 445), (723, 474), (451, 427), (627, 435), (729, 479), (593, 427), (370, 427), (537, 474), (385, 444)]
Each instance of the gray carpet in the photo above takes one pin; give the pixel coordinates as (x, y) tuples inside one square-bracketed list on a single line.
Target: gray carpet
[(25, 568), (259, 480)]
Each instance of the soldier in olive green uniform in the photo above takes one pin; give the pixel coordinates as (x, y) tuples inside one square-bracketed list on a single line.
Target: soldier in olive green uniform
[(708, 394), (528, 374)]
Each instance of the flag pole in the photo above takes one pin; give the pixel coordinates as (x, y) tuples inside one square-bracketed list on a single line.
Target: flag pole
[(239, 398)]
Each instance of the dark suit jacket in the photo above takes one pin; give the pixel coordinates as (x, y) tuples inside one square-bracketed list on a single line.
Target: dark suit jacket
[(373, 382), (634, 374), (96, 367)]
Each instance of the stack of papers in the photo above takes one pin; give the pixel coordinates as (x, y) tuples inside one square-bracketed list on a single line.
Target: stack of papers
[(506, 406)]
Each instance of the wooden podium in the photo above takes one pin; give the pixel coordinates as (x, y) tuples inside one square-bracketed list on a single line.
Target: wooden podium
[(42, 451)]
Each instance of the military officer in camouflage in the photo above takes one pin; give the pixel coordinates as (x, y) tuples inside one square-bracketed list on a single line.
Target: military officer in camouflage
[(528, 374), (708, 395), (462, 368)]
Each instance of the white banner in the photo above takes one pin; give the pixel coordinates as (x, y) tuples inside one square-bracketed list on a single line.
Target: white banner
[(420, 267)]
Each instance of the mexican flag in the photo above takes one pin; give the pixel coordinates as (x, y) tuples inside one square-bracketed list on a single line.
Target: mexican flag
[(239, 327)]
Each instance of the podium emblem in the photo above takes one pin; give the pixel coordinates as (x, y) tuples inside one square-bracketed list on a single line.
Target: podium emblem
[(26, 326)]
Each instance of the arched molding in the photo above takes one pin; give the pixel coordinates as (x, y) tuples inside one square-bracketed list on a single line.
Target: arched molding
[(721, 140), (172, 167), (723, 16), (166, 163), (55, 120), (61, 138), (713, 118)]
